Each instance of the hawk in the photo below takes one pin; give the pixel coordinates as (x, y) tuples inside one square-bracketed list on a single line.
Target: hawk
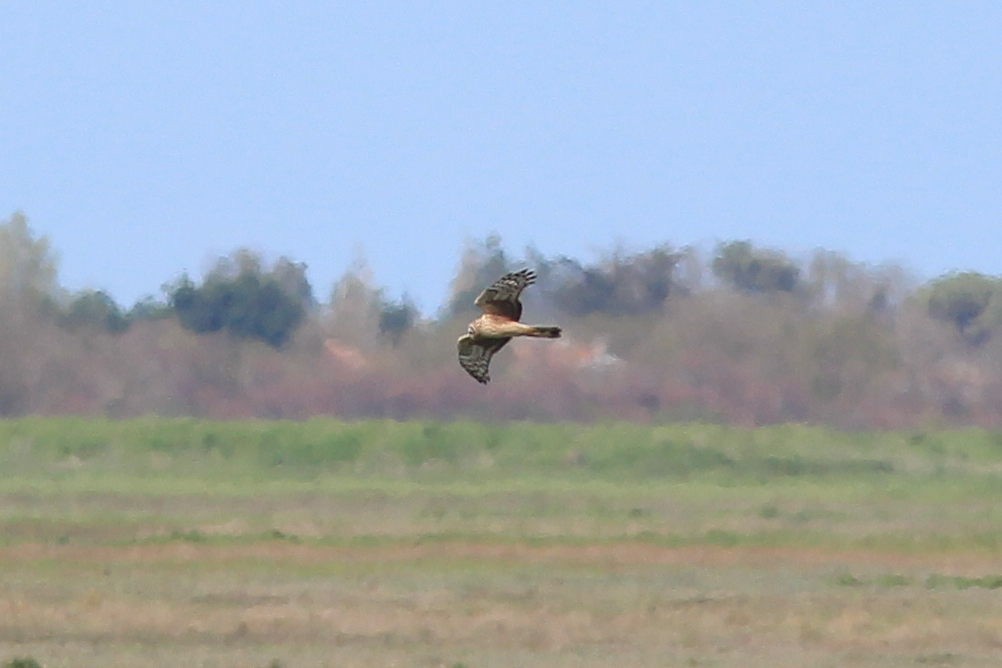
[(499, 324)]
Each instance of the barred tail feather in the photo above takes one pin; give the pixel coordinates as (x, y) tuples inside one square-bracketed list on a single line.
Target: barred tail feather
[(546, 332)]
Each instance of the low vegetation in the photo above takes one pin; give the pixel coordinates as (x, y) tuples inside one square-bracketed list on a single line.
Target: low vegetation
[(157, 542)]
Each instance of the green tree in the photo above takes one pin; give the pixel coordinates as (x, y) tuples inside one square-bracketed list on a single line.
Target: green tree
[(964, 300), (149, 308), (94, 309), (751, 269), (395, 319), (242, 297), (621, 284), (577, 289)]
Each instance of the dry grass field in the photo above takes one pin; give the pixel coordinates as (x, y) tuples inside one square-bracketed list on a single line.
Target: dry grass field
[(163, 543)]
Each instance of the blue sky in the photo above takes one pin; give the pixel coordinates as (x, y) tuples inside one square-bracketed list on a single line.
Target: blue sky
[(147, 138)]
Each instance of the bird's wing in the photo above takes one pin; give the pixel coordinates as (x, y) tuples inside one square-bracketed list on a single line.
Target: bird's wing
[(501, 298), (475, 356)]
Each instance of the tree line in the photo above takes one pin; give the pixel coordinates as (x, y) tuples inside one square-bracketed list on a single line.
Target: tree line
[(741, 333)]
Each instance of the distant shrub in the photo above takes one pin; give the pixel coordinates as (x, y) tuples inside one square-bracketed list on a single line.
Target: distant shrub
[(22, 662), (936, 581)]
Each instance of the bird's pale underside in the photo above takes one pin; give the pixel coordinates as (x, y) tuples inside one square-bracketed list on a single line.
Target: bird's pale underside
[(499, 324)]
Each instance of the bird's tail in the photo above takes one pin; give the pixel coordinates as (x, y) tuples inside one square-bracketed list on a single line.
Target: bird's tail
[(544, 332)]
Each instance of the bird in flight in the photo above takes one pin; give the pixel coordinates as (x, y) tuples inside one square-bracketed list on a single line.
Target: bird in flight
[(499, 324)]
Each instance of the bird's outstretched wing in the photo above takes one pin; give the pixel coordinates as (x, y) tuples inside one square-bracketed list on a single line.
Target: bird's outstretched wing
[(475, 356), (501, 298)]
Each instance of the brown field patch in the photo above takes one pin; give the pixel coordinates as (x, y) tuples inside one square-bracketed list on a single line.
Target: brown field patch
[(604, 555)]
